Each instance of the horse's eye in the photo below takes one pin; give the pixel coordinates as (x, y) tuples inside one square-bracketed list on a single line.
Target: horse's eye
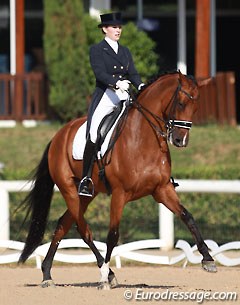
[(181, 105)]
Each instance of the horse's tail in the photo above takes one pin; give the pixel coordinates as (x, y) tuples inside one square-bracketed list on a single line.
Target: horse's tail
[(38, 204)]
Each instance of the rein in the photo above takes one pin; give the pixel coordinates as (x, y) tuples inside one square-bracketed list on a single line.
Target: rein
[(157, 118), (169, 124)]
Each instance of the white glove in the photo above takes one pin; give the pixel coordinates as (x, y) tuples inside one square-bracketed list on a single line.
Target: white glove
[(123, 85), (141, 86)]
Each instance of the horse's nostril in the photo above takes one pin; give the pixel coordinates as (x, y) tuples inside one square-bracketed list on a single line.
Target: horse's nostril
[(178, 140)]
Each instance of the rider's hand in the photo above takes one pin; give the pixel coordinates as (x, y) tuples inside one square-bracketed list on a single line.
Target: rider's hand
[(123, 85)]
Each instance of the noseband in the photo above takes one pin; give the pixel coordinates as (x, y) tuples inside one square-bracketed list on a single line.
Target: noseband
[(170, 123), (180, 123)]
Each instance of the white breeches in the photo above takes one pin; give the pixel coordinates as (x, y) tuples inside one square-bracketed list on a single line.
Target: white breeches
[(109, 100)]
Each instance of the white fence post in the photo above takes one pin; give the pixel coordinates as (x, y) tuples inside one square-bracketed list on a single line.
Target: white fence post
[(4, 215), (166, 227)]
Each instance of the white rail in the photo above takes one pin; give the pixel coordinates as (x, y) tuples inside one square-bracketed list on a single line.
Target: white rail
[(7, 187), (127, 251), (166, 224)]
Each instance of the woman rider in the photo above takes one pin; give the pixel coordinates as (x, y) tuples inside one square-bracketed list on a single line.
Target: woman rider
[(114, 70)]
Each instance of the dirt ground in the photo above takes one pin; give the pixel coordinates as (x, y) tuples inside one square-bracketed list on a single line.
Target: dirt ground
[(77, 285)]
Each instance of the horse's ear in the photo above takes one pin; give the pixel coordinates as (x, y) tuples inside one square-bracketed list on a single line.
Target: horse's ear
[(181, 77), (204, 82)]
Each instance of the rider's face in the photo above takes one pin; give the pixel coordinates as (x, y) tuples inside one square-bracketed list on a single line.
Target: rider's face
[(113, 31)]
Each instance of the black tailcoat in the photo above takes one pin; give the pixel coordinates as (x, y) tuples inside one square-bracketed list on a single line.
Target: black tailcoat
[(108, 68)]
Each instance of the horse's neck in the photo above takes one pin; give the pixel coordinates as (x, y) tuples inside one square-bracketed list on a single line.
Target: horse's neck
[(140, 134), (159, 93), (156, 98)]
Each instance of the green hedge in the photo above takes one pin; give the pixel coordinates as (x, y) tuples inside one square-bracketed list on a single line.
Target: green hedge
[(215, 214)]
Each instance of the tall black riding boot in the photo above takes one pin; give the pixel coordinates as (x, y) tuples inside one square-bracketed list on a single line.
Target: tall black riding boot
[(88, 161)]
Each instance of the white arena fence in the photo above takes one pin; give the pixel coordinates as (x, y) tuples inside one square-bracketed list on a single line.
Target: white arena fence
[(129, 250)]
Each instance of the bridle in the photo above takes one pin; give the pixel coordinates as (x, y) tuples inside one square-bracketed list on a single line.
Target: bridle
[(170, 123)]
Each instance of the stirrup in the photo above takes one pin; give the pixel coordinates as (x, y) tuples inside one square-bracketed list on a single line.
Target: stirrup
[(83, 189)]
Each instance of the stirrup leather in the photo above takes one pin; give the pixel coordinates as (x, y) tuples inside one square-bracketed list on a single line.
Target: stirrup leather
[(83, 189)]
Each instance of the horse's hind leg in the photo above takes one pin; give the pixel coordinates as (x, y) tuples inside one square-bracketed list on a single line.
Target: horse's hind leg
[(167, 195), (63, 226)]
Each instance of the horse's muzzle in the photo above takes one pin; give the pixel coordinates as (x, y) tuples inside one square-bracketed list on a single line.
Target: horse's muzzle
[(178, 137)]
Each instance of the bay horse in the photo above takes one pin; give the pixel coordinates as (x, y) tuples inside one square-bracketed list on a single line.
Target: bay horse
[(140, 166)]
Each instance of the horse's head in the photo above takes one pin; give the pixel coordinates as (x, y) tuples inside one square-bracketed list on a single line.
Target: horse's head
[(180, 110), (169, 103)]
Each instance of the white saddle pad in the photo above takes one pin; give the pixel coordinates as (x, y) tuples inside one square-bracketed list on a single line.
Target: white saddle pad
[(79, 141)]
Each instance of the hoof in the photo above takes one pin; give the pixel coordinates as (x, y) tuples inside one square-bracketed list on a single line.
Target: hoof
[(104, 286), (112, 280), (209, 266), (48, 283)]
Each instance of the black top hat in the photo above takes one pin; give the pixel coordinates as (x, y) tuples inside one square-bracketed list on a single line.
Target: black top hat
[(110, 19)]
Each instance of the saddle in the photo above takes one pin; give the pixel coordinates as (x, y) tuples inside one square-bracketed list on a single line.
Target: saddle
[(107, 123), (104, 127)]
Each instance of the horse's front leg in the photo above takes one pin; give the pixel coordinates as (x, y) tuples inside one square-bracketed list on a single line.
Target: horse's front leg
[(108, 279), (168, 196), (208, 263)]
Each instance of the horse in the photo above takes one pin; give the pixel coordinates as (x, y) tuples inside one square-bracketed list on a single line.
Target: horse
[(140, 165)]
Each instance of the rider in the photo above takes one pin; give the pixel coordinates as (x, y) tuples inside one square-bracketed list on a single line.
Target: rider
[(114, 71)]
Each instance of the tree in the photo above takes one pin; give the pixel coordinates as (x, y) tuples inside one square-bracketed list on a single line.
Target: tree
[(66, 57)]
